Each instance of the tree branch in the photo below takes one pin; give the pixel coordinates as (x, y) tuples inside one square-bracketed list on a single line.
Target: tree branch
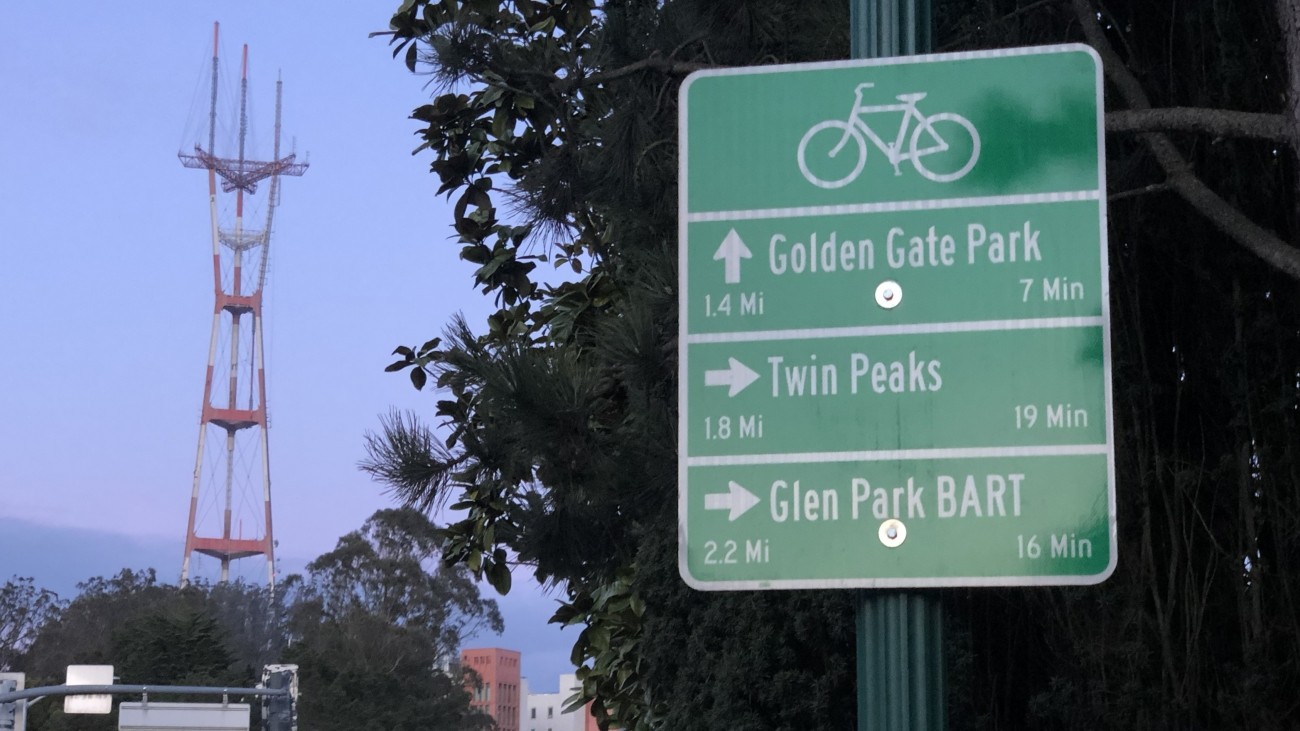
[(654, 62), (1254, 238), (1219, 122), (1145, 190), (1288, 19)]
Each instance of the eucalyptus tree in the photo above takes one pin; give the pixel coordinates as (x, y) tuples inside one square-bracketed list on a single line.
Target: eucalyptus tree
[(24, 609), (376, 625)]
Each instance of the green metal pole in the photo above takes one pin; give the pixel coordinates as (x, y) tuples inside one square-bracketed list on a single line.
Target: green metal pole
[(900, 662), (881, 28), (900, 634)]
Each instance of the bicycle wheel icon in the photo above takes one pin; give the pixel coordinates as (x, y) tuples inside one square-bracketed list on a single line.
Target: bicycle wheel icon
[(838, 163), (944, 148)]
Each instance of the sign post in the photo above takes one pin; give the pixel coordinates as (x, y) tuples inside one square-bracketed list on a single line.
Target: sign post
[(894, 324), (917, 662)]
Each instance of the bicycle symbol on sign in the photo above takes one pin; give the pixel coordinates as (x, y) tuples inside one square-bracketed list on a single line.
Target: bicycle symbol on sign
[(929, 137)]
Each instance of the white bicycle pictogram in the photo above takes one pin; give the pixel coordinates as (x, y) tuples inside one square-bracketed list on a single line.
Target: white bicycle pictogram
[(927, 138)]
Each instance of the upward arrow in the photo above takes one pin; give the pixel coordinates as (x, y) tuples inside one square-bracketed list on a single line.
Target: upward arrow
[(732, 251)]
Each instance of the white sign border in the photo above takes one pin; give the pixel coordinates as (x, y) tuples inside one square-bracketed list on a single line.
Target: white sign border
[(684, 217)]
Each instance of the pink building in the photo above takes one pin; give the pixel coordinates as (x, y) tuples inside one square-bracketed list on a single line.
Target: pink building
[(497, 694)]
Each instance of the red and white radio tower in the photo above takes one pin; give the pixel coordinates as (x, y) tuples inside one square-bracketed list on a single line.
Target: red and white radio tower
[(234, 410)]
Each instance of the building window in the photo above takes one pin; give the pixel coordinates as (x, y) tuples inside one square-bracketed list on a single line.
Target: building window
[(550, 713), (534, 713)]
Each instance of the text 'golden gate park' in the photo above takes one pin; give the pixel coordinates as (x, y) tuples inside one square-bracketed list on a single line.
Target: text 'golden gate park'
[(839, 252)]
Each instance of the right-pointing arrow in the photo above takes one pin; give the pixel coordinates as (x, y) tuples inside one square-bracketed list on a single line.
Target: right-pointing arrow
[(736, 376), (732, 251), (737, 499)]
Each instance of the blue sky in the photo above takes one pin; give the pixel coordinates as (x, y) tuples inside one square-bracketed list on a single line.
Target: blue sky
[(106, 272)]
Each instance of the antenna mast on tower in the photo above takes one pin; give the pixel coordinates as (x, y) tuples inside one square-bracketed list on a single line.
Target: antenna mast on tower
[(234, 412)]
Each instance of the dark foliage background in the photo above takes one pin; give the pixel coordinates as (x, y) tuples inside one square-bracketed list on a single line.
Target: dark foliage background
[(555, 133)]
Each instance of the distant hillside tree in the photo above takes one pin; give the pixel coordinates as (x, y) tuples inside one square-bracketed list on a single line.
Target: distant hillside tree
[(151, 633), (178, 645), (24, 609)]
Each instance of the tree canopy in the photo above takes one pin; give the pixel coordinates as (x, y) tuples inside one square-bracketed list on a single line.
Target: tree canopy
[(151, 633), (375, 627)]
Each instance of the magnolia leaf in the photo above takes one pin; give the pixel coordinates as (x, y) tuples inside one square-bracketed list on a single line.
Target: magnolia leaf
[(498, 575)]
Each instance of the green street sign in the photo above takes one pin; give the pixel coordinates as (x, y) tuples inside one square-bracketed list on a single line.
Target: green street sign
[(894, 364)]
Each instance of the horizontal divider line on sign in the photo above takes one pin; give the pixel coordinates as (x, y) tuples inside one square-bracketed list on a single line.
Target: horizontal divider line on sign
[(887, 455), (920, 328), (893, 206)]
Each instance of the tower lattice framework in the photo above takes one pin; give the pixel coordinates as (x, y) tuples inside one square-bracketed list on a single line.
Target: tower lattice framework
[(234, 412)]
